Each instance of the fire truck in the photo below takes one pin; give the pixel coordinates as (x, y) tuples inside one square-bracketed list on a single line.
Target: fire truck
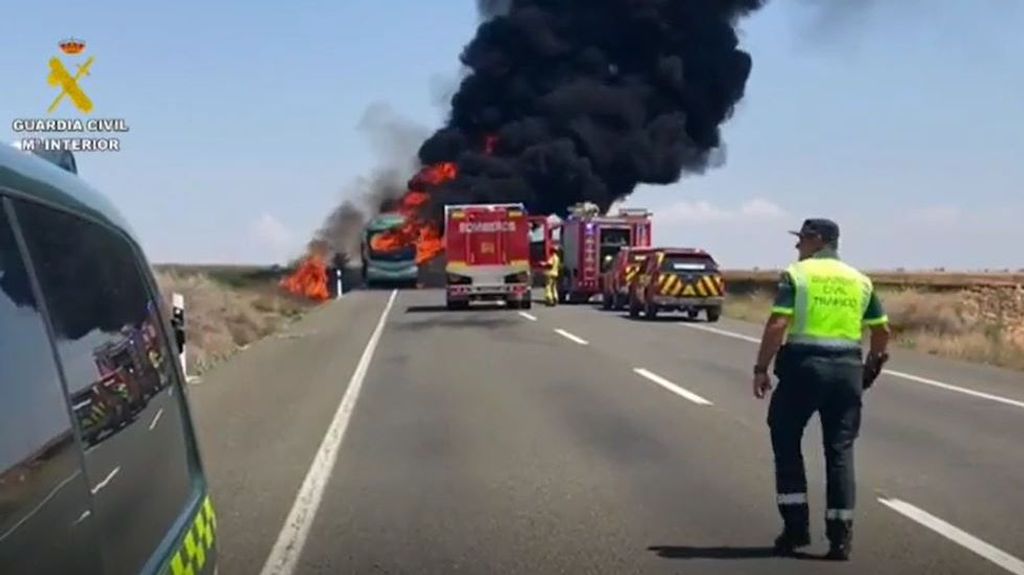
[(488, 250), (618, 279), (590, 241), (545, 236)]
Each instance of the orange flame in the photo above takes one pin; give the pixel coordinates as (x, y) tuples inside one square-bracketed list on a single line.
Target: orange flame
[(426, 236), (310, 280)]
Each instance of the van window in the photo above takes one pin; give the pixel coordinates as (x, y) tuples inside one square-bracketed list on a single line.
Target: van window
[(119, 372), (46, 524)]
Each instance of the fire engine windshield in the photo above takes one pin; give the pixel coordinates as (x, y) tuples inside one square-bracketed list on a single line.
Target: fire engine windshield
[(612, 240)]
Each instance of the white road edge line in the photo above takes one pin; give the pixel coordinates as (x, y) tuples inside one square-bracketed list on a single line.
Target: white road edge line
[(993, 554), (528, 316), (949, 387), (900, 374), (723, 332), (571, 337), (285, 554), (671, 386)]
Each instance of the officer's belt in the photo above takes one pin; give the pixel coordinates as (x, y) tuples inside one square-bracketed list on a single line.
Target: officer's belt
[(823, 346)]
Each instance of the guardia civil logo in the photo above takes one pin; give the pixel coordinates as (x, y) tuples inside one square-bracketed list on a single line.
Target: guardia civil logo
[(69, 73), (69, 85)]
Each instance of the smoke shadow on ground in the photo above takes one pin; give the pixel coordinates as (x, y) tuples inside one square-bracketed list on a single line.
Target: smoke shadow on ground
[(440, 308), (441, 316), (665, 317), (728, 553), (492, 324), (660, 319)]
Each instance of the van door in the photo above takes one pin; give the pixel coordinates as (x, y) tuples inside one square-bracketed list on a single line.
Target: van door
[(47, 524), (141, 461)]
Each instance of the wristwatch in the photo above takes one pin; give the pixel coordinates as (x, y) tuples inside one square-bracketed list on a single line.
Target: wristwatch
[(760, 369)]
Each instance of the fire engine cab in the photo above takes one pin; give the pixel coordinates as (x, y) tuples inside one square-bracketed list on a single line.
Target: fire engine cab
[(591, 241)]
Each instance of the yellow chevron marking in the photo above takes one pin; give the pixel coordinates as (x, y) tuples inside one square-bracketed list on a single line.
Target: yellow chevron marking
[(672, 286), (702, 288), (688, 291)]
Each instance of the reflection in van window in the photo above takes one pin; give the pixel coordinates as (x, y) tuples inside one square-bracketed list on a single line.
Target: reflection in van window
[(45, 519), (119, 373)]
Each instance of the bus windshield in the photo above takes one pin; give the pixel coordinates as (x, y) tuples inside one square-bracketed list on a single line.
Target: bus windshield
[(381, 247)]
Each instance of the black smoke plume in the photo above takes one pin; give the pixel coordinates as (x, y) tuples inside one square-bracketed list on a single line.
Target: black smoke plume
[(589, 98), (394, 139)]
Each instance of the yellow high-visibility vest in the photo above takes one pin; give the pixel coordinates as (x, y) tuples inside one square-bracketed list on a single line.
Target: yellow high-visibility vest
[(831, 299)]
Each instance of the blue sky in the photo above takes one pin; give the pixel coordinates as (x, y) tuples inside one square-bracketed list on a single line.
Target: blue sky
[(245, 122)]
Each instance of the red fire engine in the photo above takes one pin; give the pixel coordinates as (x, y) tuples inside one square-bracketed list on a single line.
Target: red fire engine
[(545, 233), (488, 255), (590, 241)]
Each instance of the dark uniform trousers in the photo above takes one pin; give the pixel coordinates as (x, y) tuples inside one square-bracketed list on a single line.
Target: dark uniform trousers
[(827, 381)]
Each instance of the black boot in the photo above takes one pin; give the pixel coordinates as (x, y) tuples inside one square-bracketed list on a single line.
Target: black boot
[(840, 537), (797, 531), (792, 539)]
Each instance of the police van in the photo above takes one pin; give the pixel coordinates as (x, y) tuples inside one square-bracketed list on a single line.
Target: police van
[(99, 464)]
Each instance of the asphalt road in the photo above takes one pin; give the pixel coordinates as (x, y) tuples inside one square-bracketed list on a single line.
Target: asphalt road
[(571, 440)]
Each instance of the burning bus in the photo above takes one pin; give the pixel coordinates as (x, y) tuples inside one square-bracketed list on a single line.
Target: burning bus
[(386, 256)]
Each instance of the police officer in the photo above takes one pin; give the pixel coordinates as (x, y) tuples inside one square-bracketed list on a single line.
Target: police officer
[(814, 334)]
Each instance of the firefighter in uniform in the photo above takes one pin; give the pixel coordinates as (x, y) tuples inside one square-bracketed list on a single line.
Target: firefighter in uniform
[(814, 334), (551, 284)]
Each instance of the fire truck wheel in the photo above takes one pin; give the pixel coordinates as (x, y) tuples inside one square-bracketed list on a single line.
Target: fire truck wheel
[(606, 301), (634, 308), (650, 311), (526, 303), (713, 313)]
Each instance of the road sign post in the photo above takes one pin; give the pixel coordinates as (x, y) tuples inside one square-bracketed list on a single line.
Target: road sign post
[(178, 322)]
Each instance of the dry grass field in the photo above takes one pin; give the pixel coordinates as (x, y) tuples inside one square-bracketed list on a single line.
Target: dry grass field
[(228, 308), (973, 317)]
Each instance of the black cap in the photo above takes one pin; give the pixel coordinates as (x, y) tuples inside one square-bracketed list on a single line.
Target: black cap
[(823, 228)]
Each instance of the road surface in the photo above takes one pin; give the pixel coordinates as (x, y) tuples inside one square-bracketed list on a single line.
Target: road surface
[(572, 440)]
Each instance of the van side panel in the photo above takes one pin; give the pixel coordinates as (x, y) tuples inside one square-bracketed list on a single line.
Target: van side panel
[(121, 373)]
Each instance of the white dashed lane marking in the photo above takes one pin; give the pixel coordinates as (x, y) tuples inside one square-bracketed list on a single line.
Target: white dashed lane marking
[(686, 394), (571, 337)]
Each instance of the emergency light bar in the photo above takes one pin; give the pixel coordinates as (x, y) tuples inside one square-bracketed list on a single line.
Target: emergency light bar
[(638, 212), (517, 206)]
